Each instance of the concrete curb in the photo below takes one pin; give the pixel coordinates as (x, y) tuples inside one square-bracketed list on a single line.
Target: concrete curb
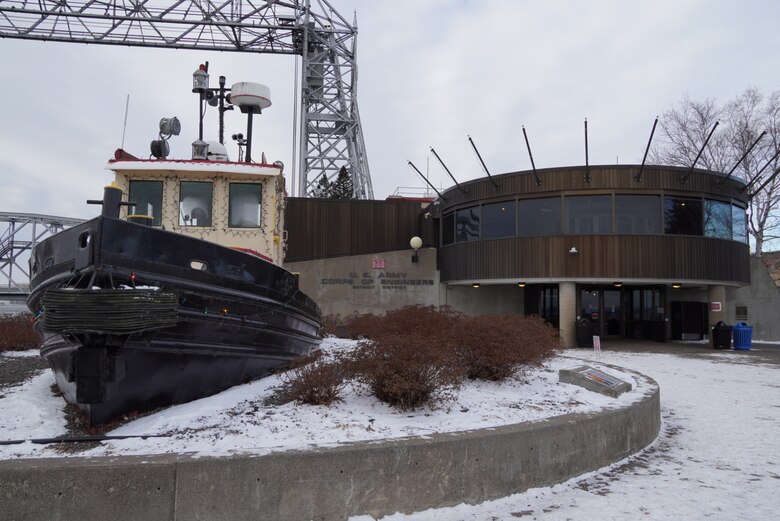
[(401, 475)]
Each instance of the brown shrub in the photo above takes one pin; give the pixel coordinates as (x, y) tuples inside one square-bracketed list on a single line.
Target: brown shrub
[(16, 333), (493, 347), (418, 356), (406, 372), (318, 382), (334, 325), (409, 320), (361, 325)]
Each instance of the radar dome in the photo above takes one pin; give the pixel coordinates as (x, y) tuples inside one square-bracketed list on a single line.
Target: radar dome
[(250, 97)]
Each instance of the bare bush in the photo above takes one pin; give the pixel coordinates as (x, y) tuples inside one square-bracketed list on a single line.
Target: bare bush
[(319, 382), (17, 334), (494, 347), (407, 371), (418, 356)]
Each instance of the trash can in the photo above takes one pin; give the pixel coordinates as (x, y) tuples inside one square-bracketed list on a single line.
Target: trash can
[(584, 333), (721, 336), (743, 336)]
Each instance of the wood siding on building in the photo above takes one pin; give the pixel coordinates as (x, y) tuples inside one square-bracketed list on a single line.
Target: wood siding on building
[(608, 256), (322, 228), (616, 257), (604, 179)]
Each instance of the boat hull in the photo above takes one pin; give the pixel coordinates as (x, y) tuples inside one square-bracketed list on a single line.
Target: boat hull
[(134, 318)]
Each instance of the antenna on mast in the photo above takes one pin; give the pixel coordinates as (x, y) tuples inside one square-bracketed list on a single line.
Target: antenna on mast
[(124, 126)]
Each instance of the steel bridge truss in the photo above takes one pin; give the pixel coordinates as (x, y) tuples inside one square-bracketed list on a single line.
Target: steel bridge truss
[(19, 233), (330, 135)]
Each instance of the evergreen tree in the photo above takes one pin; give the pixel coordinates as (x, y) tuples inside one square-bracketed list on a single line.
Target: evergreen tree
[(323, 188), (342, 188)]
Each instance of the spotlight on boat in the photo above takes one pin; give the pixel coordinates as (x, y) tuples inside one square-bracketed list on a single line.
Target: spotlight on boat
[(170, 126), (160, 148)]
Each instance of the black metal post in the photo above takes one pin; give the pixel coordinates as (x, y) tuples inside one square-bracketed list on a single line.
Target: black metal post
[(222, 110), (495, 185), (426, 180), (587, 167), (745, 155), (758, 174), (248, 155), (465, 192), (531, 156), (638, 176), (777, 171), (685, 176)]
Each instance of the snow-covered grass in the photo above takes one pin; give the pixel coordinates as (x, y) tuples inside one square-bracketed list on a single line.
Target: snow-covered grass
[(241, 419)]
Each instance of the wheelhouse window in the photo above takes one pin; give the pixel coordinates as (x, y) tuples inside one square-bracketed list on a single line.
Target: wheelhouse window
[(539, 216), (147, 196), (498, 220), (682, 216), (717, 219), (638, 214), (195, 203), (467, 224), (448, 229), (245, 205), (739, 221), (588, 214)]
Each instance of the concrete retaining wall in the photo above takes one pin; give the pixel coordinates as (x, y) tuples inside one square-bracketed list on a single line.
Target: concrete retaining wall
[(379, 478), (762, 300)]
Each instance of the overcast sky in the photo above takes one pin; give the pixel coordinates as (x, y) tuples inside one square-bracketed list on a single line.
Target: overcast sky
[(431, 73)]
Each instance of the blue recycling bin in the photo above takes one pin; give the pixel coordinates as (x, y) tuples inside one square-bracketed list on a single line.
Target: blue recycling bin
[(743, 336)]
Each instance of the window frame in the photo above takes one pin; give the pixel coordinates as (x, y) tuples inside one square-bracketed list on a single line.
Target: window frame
[(182, 223), (230, 204), (156, 219)]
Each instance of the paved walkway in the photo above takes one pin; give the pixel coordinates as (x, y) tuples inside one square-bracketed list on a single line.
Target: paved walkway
[(717, 456)]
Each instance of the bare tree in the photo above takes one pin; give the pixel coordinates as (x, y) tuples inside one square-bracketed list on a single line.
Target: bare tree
[(685, 127)]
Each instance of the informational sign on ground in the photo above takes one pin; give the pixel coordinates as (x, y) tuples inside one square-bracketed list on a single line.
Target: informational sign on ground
[(594, 380)]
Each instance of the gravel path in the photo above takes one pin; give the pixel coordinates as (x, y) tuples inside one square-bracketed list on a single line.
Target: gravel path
[(14, 370)]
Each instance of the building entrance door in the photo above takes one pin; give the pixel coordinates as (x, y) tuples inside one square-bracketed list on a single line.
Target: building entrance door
[(602, 307)]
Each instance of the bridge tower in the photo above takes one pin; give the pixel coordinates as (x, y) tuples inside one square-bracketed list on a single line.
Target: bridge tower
[(329, 134)]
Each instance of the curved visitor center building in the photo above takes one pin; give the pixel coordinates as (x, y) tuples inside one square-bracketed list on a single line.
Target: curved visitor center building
[(628, 252), (655, 253)]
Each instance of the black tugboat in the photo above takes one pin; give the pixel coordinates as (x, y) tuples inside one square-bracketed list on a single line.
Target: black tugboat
[(175, 291)]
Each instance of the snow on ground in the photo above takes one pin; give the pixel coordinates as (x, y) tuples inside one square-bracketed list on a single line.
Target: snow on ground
[(718, 455), (239, 420)]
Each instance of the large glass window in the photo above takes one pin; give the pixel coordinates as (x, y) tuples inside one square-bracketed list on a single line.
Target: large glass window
[(467, 224), (717, 219), (588, 214), (739, 221), (682, 216), (638, 214), (147, 196), (195, 203), (245, 205), (539, 216), (498, 220), (448, 229)]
